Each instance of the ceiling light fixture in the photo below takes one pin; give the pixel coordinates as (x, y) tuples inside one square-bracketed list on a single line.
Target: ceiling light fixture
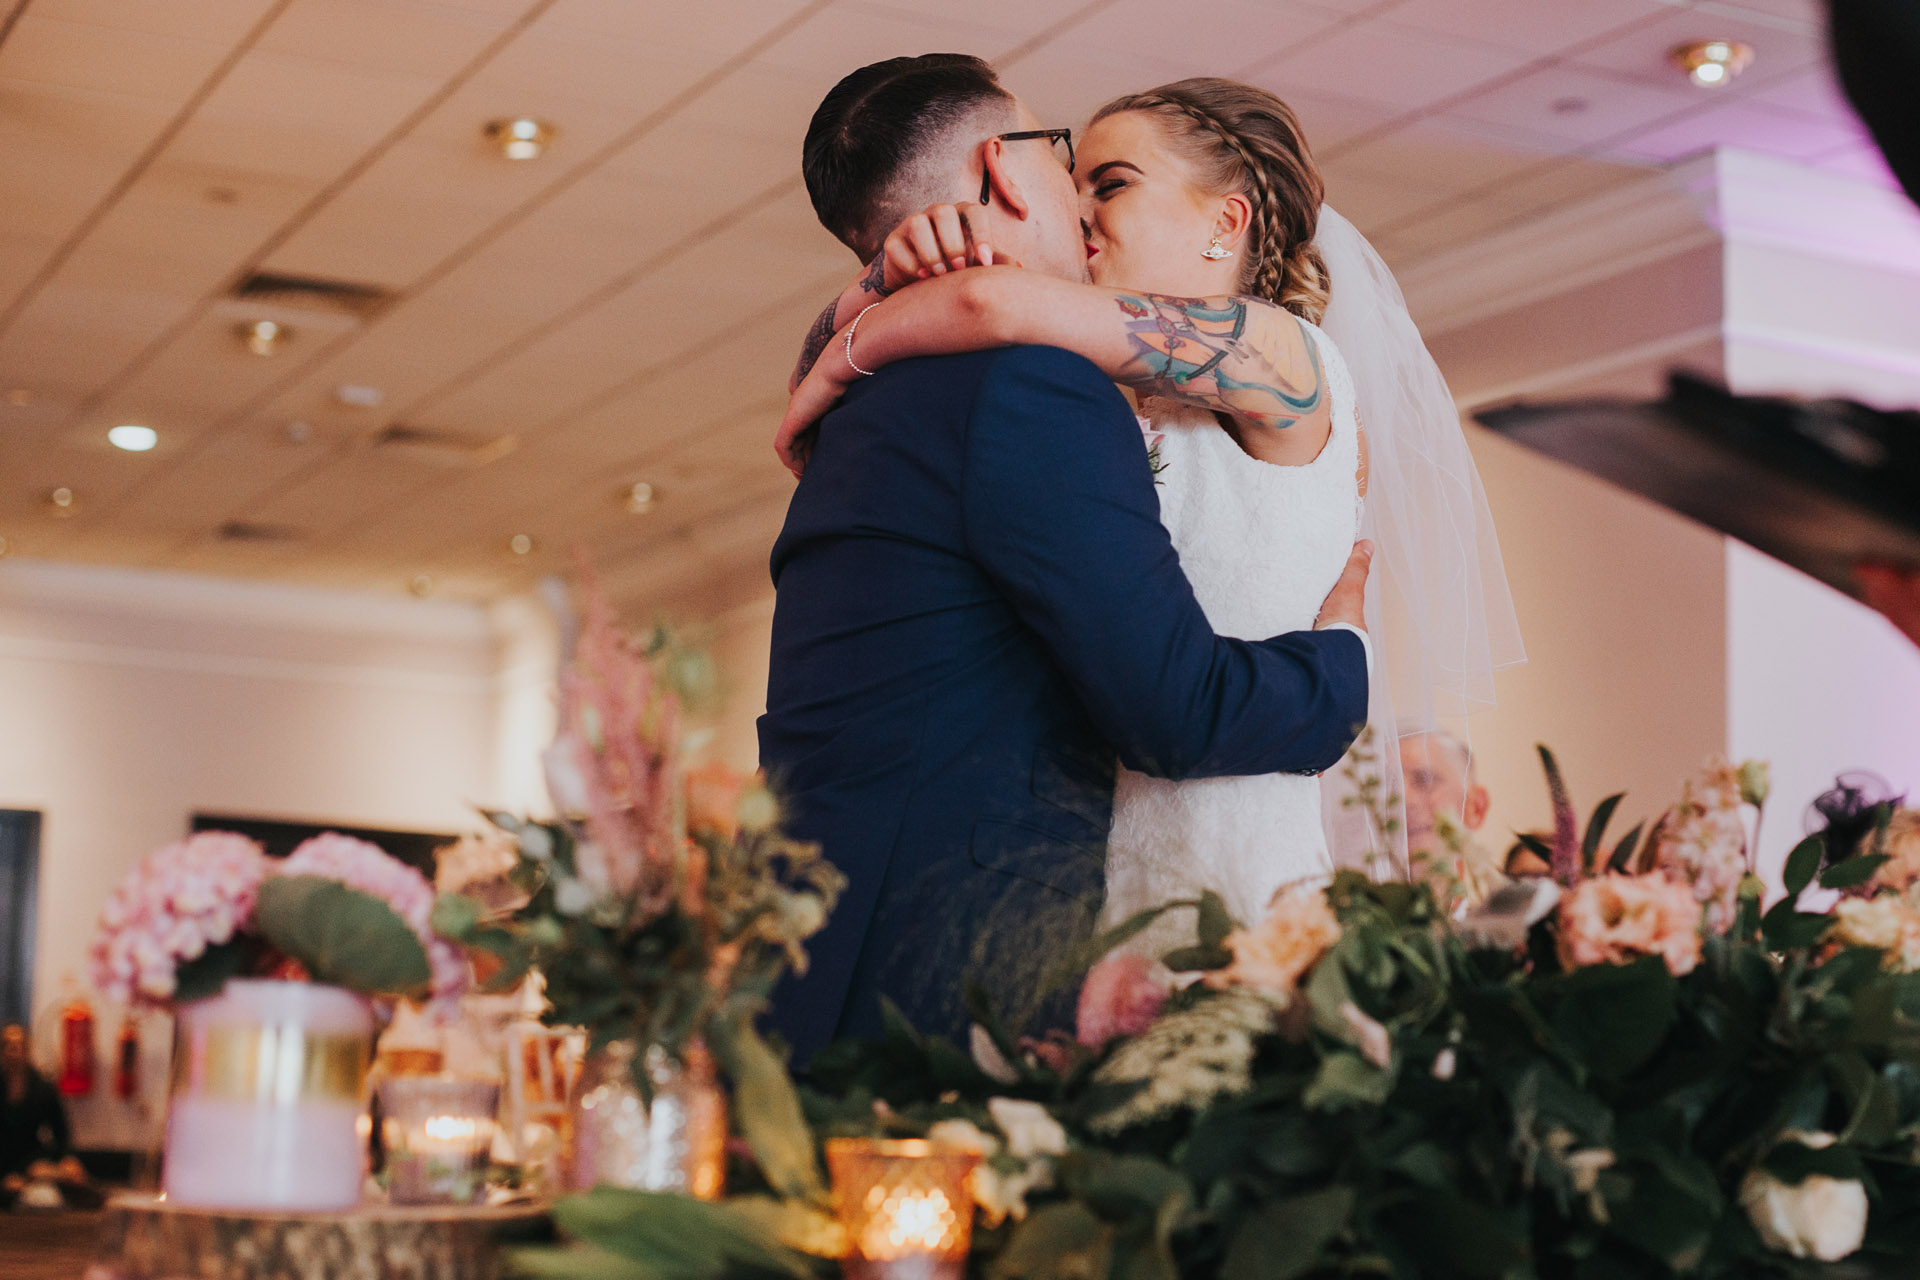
[(522, 138), (264, 337), (62, 500), (355, 396), (1712, 64), (132, 438), (639, 499), (521, 544)]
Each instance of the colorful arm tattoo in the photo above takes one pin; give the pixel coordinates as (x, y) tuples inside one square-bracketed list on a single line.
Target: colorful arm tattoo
[(1226, 358), (825, 325)]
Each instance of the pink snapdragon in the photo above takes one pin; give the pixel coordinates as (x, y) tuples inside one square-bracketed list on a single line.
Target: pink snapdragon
[(370, 869), (179, 900), (1616, 919)]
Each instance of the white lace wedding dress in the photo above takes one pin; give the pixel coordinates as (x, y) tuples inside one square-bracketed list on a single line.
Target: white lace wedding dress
[(1262, 545)]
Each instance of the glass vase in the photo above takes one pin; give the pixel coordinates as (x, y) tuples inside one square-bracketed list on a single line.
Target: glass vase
[(678, 1143), (269, 1083)]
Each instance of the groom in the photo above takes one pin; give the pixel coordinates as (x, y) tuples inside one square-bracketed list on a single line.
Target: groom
[(978, 608)]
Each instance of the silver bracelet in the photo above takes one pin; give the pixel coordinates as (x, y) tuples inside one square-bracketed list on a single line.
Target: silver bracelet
[(865, 373)]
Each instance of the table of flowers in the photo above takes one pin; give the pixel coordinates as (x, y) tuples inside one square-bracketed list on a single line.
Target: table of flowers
[(1634, 1065)]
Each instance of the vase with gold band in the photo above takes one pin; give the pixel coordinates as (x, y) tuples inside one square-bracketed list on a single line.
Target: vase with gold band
[(269, 1083)]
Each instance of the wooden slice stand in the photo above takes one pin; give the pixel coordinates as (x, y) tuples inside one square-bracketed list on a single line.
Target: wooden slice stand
[(144, 1238)]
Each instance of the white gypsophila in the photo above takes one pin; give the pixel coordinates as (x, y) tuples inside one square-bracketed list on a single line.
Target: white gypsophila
[(1031, 1131), (1186, 1059), (1000, 1193), (1820, 1217)]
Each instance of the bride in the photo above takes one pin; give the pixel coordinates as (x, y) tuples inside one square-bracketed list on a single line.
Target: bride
[(1214, 266)]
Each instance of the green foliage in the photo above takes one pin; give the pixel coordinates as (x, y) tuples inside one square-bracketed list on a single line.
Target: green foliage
[(641, 1235), (342, 936)]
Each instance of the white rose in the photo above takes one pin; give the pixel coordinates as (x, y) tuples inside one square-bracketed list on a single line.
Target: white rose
[(1822, 1217), (1030, 1130)]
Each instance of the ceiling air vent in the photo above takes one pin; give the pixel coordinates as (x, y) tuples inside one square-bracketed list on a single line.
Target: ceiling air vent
[(257, 534), (437, 447), (303, 302)]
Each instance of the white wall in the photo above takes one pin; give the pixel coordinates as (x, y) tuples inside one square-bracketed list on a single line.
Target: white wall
[(129, 700)]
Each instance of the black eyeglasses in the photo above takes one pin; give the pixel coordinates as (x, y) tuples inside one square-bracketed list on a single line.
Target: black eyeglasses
[(1062, 140)]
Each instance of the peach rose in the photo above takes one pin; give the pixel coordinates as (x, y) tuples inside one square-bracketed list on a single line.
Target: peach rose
[(1614, 919), (713, 799), (1275, 954), (1901, 871)]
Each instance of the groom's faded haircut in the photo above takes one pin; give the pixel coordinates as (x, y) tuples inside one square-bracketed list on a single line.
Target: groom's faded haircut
[(873, 153)]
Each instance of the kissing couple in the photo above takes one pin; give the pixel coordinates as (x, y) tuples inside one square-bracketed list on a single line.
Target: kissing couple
[(1042, 657)]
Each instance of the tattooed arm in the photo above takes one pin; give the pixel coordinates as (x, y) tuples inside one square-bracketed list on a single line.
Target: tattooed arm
[(1243, 357), (868, 289)]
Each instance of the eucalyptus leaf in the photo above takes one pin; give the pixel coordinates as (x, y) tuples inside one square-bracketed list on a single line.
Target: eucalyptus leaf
[(1284, 1239), (202, 977), (1801, 865), (342, 936), (767, 1111), (1849, 872)]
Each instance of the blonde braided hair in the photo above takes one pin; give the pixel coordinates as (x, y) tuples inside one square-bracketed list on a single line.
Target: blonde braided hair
[(1247, 140)]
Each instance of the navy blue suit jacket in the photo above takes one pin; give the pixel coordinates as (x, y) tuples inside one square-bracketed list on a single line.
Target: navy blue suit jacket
[(978, 608)]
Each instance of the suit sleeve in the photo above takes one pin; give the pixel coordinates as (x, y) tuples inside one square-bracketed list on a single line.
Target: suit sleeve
[(1061, 512)]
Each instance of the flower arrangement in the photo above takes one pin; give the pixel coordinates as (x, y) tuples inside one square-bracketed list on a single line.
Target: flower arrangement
[(1621, 1069), (192, 914), (663, 904)]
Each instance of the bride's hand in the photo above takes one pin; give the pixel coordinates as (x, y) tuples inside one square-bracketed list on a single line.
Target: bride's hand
[(938, 239), (816, 394)]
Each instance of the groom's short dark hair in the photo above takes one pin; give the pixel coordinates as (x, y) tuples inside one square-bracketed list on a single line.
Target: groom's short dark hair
[(870, 128)]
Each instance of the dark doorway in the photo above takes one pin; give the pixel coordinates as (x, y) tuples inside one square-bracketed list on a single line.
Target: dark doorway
[(19, 879)]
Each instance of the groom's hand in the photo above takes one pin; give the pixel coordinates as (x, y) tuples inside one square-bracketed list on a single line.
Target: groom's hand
[(1346, 603)]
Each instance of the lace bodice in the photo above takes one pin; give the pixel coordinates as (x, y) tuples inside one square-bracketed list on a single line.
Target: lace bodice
[(1262, 545)]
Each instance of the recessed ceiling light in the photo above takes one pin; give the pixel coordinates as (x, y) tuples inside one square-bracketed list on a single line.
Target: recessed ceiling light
[(355, 396), (421, 584), (522, 138), (62, 500), (639, 498), (132, 438), (264, 337), (1712, 64), (521, 544)]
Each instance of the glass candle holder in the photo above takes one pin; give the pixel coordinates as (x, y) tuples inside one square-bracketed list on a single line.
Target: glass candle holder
[(438, 1133), (906, 1206)]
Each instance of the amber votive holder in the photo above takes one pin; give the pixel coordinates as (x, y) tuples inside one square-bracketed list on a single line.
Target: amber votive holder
[(906, 1206)]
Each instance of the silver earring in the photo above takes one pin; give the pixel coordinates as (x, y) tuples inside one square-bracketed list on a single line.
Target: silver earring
[(1216, 251)]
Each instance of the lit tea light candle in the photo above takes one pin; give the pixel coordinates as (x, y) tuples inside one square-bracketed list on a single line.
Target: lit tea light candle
[(438, 1133), (907, 1207)]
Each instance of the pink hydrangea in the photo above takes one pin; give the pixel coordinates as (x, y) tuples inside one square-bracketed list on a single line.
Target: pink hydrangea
[(1122, 996), (1616, 919), (176, 902), (1702, 843), (370, 869)]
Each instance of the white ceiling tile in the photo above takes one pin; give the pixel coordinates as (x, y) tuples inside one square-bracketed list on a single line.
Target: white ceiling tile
[(413, 39), (1576, 107), (1009, 21), (1436, 156), (326, 97), (1202, 37), (712, 26), (217, 21), (1389, 66), (551, 72), (1813, 92), (1535, 28), (1732, 124), (75, 55)]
